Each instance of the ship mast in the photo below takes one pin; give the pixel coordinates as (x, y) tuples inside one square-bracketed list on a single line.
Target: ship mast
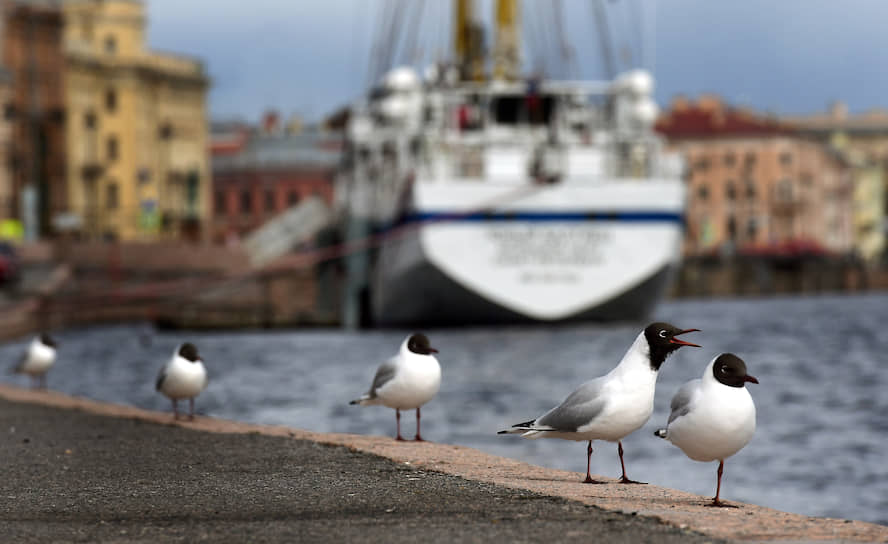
[(468, 42), (506, 61)]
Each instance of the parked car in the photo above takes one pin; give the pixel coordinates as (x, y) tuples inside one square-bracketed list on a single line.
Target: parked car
[(9, 264)]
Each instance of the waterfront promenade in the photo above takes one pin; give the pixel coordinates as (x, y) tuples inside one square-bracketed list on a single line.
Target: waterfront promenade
[(78, 470)]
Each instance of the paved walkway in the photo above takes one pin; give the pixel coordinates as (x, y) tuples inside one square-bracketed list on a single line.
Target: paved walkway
[(77, 470)]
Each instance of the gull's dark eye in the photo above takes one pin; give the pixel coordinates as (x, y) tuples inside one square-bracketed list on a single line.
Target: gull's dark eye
[(724, 369), (663, 334)]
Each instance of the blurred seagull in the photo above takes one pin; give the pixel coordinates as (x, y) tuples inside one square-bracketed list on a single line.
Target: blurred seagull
[(406, 381), (713, 417), (183, 377), (615, 405), (37, 360)]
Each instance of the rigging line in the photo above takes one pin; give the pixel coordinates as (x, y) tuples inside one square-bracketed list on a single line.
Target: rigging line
[(376, 44), (604, 37), (397, 34), (629, 35), (546, 51), (413, 32), (356, 68), (564, 49), (637, 19), (386, 51)]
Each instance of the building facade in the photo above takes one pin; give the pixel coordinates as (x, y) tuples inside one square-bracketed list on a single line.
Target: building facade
[(862, 140), (260, 174), (138, 163), (754, 185), (36, 194)]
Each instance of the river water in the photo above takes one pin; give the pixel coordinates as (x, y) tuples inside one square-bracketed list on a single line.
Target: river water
[(819, 448)]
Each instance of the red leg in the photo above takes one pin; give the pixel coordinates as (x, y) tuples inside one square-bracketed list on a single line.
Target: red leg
[(418, 436), (175, 408), (624, 479), (589, 479), (398, 420), (191, 408), (716, 501)]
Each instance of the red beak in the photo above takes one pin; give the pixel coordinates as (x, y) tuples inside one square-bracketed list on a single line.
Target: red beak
[(433, 350), (680, 342), (750, 379)]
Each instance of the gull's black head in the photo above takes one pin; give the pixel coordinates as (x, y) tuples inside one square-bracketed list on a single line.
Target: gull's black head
[(731, 370), (189, 352), (47, 340), (661, 338), (419, 343)]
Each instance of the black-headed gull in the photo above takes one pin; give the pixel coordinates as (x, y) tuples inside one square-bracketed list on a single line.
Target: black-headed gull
[(713, 417), (37, 359), (615, 405), (183, 377), (406, 381)]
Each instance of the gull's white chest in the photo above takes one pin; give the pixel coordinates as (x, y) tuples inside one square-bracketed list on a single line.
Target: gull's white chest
[(416, 382), (184, 379), (40, 358)]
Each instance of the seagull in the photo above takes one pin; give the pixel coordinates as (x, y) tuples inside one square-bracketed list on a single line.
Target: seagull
[(713, 417), (38, 359), (183, 377), (406, 381), (615, 405)]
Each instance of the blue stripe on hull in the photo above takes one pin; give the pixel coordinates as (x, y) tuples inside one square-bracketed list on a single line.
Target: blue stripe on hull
[(627, 216)]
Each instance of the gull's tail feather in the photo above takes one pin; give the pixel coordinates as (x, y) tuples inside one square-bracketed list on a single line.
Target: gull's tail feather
[(520, 428), (660, 432)]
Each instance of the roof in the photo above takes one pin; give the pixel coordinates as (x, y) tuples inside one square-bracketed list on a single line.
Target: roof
[(311, 149), (710, 119)]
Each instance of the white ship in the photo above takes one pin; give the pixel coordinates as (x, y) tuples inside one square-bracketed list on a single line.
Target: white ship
[(507, 200)]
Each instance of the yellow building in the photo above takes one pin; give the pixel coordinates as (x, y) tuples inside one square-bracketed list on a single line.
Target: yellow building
[(138, 165)]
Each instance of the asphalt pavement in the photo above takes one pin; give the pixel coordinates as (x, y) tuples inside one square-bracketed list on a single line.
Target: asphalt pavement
[(72, 476)]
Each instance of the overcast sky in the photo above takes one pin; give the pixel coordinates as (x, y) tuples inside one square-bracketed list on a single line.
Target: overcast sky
[(310, 56)]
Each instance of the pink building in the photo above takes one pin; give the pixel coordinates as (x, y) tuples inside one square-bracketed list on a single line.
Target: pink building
[(754, 185)]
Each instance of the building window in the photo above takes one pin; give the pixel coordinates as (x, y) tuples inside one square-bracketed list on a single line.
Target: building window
[(749, 159), (293, 198), (730, 191), (165, 132), (246, 201), (111, 100), (269, 200), (784, 190), (111, 196), (730, 158), (751, 229), (750, 190), (786, 158), (702, 164), (220, 202), (113, 148), (89, 120), (703, 192), (110, 45), (732, 228)]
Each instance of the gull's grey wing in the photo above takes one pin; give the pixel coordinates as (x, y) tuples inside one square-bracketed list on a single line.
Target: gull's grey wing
[(684, 397), (384, 374), (578, 409), (161, 376)]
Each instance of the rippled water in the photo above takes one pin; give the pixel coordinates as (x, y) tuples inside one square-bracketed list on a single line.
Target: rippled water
[(822, 404)]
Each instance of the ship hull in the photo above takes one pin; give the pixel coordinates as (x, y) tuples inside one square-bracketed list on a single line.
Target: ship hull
[(569, 252)]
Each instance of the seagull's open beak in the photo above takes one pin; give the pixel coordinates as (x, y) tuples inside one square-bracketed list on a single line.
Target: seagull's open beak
[(750, 379), (680, 342)]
